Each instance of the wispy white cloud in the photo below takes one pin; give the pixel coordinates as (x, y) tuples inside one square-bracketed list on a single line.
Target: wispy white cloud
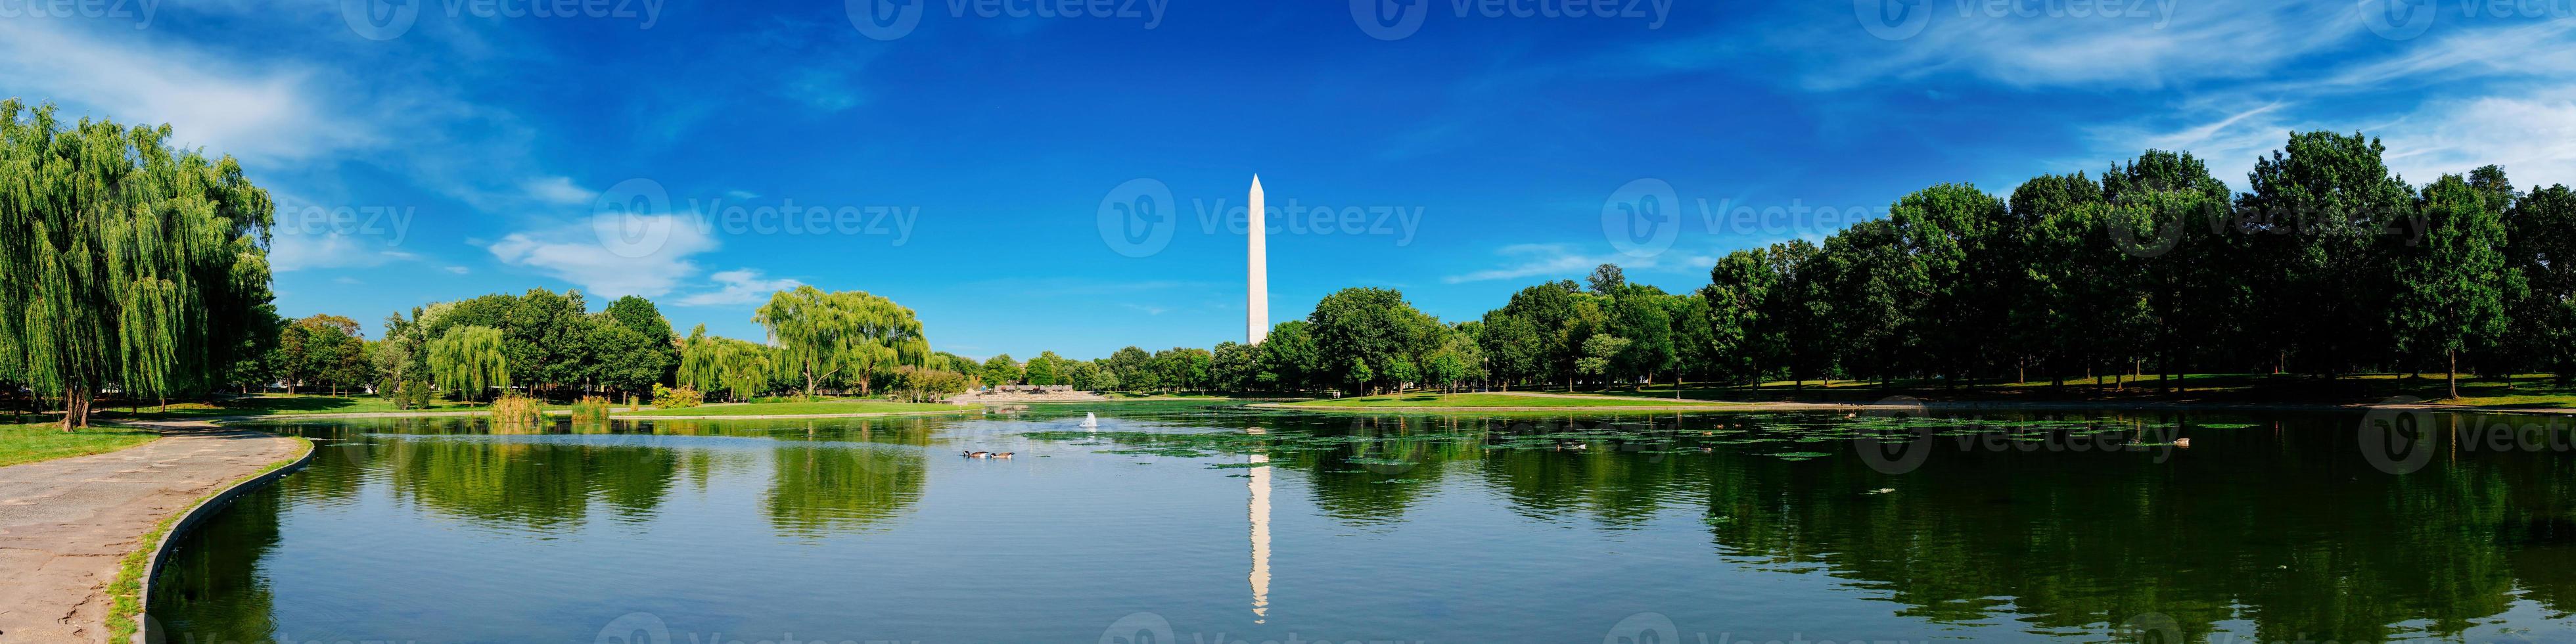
[(291, 251), (737, 287), (2532, 135), (1565, 261), (2157, 46), (648, 256), (559, 191), (2505, 102), (263, 113)]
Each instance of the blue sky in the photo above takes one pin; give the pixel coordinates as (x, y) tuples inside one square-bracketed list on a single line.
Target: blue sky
[(963, 160)]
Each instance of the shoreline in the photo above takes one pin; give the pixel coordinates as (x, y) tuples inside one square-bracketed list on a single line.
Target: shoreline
[(2000, 405), (82, 528)]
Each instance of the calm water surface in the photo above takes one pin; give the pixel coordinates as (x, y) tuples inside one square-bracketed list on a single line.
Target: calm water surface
[(1198, 523)]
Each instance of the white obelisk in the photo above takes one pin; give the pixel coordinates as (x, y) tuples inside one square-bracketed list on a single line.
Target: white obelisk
[(1256, 320)]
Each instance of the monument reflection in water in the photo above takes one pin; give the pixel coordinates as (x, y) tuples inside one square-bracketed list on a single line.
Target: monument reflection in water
[(2271, 527)]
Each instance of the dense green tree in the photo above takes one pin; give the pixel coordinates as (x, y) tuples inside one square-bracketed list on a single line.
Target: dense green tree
[(134, 265), (1001, 370), (849, 336), (2453, 284), (1606, 279), (1103, 379), (1599, 352), (1288, 359), (1235, 366), (1557, 312), (621, 359), (1950, 236), (646, 320), (469, 359), (2540, 238), (1371, 327), (1739, 286), (1514, 348), (1796, 311), (314, 351), (1083, 375), (1638, 313), (713, 364), (1133, 368), (2323, 204), (1046, 369)]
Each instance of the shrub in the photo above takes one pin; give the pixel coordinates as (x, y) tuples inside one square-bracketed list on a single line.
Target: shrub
[(516, 410), (590, 408), (416, 394), (668, 398)]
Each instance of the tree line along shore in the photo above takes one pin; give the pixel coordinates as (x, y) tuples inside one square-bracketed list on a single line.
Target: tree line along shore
[(143, 279)]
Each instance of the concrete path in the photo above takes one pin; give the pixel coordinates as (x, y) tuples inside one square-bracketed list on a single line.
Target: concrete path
[(65, 523)]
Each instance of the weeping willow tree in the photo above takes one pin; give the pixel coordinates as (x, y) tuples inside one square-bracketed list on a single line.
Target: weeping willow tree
[(131, 266), (741, 369), (468, 359), (848, 334)]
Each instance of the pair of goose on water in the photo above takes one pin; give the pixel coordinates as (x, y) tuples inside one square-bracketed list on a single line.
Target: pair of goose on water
[(975, 454)]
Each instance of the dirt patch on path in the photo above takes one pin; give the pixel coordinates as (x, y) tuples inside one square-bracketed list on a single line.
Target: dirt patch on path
[(65, 523)]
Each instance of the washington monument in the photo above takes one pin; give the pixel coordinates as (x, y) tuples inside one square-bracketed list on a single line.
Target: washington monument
[(1256, 303)]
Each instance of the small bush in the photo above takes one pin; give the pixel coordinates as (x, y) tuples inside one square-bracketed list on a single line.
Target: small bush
[(590, 408), (516, 410), (413, 394), (668, 398)]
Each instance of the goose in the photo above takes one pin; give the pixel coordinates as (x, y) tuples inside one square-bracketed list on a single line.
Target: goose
[(974, 454), (2184, 443), (1001, 455)]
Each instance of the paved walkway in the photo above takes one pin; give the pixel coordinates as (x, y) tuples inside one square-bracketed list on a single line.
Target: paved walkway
[(65, 523)]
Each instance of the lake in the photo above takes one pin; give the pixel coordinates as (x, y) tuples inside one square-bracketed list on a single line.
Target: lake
[(1194, 522)]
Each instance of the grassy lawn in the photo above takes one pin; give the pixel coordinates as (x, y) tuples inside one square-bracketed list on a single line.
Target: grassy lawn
[(1493, 400), (45, 442), (796, 409), (2523, 391), (285, 405)]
